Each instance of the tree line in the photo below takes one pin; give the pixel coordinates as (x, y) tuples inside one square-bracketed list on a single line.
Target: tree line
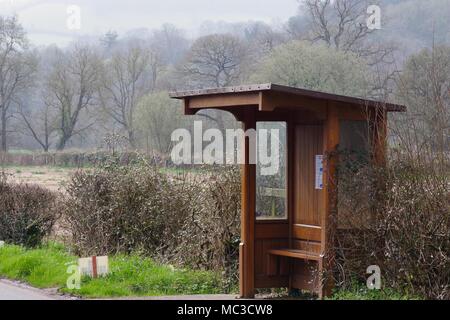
[(113, 91)]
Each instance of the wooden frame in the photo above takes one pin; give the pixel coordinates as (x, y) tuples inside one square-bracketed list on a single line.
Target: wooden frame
[(273, 253)]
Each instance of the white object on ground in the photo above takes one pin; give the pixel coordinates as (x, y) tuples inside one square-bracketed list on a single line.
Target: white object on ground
[(87, 266)]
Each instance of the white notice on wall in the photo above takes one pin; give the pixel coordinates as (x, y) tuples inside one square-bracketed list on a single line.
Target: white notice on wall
[(319, 172)]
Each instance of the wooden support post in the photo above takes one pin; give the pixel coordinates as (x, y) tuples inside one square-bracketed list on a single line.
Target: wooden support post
[(290, 190), (94, 267), (379, 135), (331, 142), (248, 207)]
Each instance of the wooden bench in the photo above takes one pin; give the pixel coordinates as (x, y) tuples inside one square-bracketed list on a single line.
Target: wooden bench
[(296, 254), (274, 266)]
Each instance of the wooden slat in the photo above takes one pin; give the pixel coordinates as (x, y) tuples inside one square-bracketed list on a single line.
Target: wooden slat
[(218, 101), (262, 246), (308, 144), (306, 281), (347, 112), (305, 275), (260, 268), (378, 139), (298, 254), (310, 246), (270, 101), (270, 230), (271, 265), (306, 232), (284, 268), (271, 282)]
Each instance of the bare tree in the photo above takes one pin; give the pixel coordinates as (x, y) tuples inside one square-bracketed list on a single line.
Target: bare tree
[(126, 81), (339, 23), (39, 123), (170, 42), (17, 67), (156, 67), (215, 60), (70, 89), (342, 24), (424, 132), (262, 38)]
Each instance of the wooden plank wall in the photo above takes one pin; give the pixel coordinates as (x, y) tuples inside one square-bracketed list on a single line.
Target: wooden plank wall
[(270, 235)]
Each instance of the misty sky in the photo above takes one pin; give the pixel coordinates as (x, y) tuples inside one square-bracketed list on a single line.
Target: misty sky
[(45, 20)]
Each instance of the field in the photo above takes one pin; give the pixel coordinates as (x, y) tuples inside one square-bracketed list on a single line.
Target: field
[(52, 178), (55, 178)]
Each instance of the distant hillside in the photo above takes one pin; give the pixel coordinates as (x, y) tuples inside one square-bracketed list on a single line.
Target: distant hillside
[(413, 22)]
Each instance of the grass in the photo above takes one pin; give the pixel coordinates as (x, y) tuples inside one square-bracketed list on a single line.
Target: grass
[(21, 151), (134, 275), (37, 172), (131, 275), (43, 268)]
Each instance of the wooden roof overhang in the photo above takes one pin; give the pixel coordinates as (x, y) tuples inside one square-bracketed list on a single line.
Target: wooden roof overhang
[(271, 97)]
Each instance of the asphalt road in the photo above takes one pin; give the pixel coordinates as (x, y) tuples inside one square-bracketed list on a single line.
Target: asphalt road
[(12, 292)]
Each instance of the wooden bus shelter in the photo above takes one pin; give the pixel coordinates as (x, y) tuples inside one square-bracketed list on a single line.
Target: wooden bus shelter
[(293, 251)]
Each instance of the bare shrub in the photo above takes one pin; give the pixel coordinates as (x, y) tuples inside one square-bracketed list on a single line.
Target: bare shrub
[(187, 218), (120, 209), (209, 237), (397, 217), (27, 213)]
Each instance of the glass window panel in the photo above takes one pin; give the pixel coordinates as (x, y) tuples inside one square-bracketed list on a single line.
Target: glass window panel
[(271, 189), (353, 144)]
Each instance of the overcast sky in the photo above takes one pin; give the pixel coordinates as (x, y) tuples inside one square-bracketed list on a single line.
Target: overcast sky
[(46, 20)]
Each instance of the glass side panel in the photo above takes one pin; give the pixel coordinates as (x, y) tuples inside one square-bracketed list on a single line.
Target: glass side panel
[(271, 188)]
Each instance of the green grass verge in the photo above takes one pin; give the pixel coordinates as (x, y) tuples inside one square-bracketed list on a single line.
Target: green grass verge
[(131, 275), (134, 275), (360, 292)]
